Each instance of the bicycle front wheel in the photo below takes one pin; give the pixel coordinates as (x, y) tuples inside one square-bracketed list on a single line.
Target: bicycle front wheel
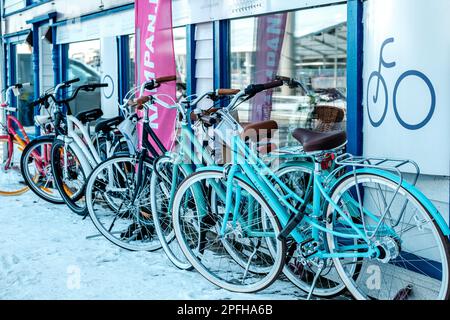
[(412, 255), (36, 169), (11, 180), (198, 231), (118, 207)]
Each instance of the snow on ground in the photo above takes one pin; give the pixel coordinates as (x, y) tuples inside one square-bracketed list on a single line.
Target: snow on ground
[(44, 254)]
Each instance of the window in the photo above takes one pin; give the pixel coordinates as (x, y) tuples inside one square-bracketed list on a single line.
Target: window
[(23, 74), (32, 2), (131, 62), (179, 36), (85, 63), (309, 45)]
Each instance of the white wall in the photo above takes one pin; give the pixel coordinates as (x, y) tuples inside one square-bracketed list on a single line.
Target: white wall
[(421, 43), (14, 5), (204, 58), (66, 9)]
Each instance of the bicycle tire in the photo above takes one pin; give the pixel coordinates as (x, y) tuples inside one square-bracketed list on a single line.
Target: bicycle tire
[(69, 199), (31, 181)]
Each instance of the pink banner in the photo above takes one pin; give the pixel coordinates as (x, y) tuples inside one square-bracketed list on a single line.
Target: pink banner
[(269, 42), (156, 58)]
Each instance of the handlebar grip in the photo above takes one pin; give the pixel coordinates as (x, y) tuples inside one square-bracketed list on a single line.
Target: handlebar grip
[(68, 82), (141, 101), (22, 85), (97, 85), (272, 84), (165, 79), (255, 88), (35, 103), (227, 92)]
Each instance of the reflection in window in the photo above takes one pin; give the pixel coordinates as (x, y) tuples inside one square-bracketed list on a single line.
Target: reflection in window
[(85, 64), (24, 74), (131, 62), (311, 47)]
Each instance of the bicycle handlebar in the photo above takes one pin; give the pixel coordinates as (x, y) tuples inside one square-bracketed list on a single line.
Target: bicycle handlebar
[(155, 83), (293, 83), (256, 88), (227, 92), (165, 79), (93, 86), (86, 87), (69, 82)]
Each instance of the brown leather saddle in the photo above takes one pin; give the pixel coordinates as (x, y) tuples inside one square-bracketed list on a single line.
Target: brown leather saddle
[(262, 133), (318, 141)]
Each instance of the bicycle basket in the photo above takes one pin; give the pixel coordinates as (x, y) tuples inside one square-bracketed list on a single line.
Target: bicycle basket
[(129, 130)]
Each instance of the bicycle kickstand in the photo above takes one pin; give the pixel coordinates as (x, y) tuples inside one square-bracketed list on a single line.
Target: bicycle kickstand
[(316, 277)]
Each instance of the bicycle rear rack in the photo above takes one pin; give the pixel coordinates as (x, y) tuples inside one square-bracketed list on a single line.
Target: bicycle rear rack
[(388, 164)]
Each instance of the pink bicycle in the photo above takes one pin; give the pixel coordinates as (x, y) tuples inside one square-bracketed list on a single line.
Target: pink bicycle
[(13, 141)]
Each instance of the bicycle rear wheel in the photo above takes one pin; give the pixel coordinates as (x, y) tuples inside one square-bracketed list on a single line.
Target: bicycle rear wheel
[(165, 180), (412, 254), (11, 180), (36, 169), (298, 270), (197, 229)]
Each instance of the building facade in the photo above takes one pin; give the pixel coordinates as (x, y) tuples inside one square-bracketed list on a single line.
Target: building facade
[(342, 50)]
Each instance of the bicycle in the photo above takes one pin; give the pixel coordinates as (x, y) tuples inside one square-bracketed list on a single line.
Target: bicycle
[(173, 167), (380, 79), (36, 164), (13, 139), (356, 237), (35, 159), (118, 189)]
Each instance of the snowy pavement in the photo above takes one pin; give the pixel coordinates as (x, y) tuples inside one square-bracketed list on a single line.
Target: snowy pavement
[(44, 254)]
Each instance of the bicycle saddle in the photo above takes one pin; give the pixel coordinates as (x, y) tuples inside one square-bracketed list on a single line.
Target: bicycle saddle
[(259, 130), (318, 141), (108, 125), (90, 115)]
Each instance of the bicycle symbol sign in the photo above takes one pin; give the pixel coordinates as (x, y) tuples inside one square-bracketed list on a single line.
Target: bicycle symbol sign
[(376, 75)]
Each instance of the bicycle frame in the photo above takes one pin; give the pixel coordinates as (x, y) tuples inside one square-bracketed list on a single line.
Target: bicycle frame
[(247, 166)]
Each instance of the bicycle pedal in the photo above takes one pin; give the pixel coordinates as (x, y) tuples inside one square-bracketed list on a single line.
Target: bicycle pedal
[(309, 247)]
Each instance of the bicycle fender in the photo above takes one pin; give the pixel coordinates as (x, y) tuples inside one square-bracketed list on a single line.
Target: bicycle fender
[(44, 137), (413, 190)]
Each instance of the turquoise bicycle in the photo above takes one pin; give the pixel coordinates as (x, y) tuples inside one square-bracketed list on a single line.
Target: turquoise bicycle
[(361, 224), (174, 166)]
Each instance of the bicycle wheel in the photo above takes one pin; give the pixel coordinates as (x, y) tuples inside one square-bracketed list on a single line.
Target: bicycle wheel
[(36, 169), (165, 179), (69, 176), (11, 181), (238, 248), (412, 259), (196, 228), (109, 196), (299, 270)]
